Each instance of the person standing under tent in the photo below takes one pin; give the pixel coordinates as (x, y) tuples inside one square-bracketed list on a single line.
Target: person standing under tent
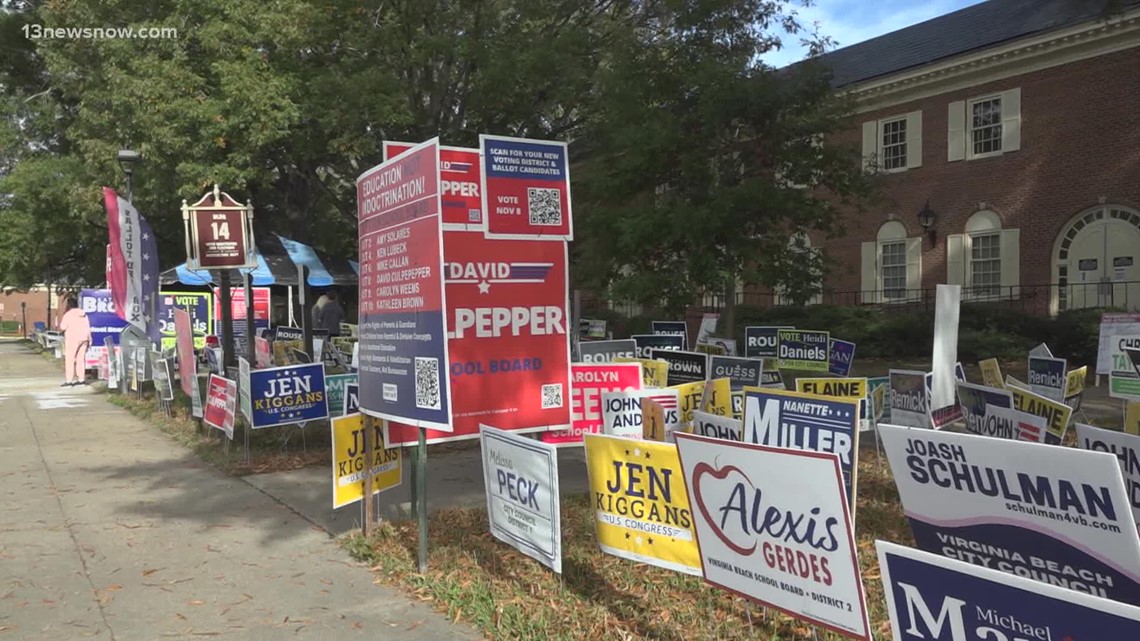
[(76, 339), (331, 315), (315, 313)]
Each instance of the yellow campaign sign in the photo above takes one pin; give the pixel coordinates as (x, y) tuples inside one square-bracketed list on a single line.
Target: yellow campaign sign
[(652, 420), (691, 394), (641, 507), (710, 349), (991, 373), (1132, 418), (348, 460), (878, 402), (1055, 413), (717, 397), (851, 389), (654, 373), (1075, 381)]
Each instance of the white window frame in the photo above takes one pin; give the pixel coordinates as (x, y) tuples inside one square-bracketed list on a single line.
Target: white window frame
[(880, 147), (970, 153), (975, 294), (873, 142), (960, 256), (872, 280)]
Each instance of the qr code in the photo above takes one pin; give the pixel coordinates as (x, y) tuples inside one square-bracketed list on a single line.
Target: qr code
[(544, 206), (427, 383), (474, 215), (551, 396)]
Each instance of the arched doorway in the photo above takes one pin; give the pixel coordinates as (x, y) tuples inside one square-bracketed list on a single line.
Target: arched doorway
[(1096, 260)]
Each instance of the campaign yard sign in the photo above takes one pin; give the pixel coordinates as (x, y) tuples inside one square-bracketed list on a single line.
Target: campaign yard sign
[(622, 411), (773, 526), (647, 343), (1057, 515), (606, 351), (931, 598), (100, 309), (509, 344), (588, 382), (221, 403), (654, 373), (909, 398), (1047, 377), (802, 349), (1055, 413), (1075, 386), (1115, 326), (671, 328), (239, 309), (840, 356), (460, 182), (684, 367), (641, 507), (404, 369), (163, 380), (526, 188), (348, 461), (520, 476), (991, 373), (978, 407), (716, 426), (352, 400), (805, 422), (335, 387), (740, 372), (287, 395), (762, 341), (245, 395), (1126, 449), (197, 304), (288, 334)]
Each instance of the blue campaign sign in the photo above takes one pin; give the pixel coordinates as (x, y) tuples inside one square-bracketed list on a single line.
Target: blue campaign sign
[(840, 354), (805, 422), (403, 364), (287, 395), (336, 385), (100, 310), (976, 400), (351, 398), (931, 598)]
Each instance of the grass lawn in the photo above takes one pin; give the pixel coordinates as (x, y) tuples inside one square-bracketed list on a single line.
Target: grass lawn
[(474, 578)]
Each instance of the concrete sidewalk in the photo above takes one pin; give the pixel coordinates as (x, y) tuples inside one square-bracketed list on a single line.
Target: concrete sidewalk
[(111, 530)]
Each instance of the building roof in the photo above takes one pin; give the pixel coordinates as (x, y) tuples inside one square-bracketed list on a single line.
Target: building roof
[(974, 28)]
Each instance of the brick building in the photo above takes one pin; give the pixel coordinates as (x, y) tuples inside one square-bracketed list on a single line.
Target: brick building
[(32, 304), (1013, 128)]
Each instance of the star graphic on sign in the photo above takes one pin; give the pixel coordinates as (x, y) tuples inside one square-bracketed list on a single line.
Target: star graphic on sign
[(146, 276), (146, 236), (146, 299), (637, 452), (627, 452), (146, 256), (650, 540), (627, 536), (637, 540), (648, 455), (484, 287)]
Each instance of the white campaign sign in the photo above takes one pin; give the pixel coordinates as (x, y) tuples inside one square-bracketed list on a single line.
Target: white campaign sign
[(715, 426), (521, 478), (621, 410), (1126, 449), (1054, 514), (908, 398), (773, 526), (947, 304)]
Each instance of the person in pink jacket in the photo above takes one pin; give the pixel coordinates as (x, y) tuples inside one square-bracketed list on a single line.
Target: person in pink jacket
[(76, 338)]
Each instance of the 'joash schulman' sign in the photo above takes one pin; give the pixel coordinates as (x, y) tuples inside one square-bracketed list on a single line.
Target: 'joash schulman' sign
[(287, 395), (931, 598), (803, 422), (1056, 515), (646, 343), (773, 526), (803, 349), (607, 351), (684, 367), (403, 330), (526, 188), (520, 476)]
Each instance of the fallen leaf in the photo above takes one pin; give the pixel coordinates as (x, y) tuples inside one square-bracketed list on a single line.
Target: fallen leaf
[(197, 602), (150, 571)]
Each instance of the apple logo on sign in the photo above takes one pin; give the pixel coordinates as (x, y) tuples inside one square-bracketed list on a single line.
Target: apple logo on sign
[(699, 472)]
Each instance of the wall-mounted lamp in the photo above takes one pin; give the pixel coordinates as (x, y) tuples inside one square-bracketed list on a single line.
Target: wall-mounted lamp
[(926, 220)]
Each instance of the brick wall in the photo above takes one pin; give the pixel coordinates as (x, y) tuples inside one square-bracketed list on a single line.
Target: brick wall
[(36, 301), (1080, 141)]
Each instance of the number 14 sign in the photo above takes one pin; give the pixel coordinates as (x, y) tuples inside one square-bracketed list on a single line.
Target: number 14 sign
[(219, 232)]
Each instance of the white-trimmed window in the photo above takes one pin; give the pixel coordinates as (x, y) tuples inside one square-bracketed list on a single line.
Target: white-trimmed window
[(801, 243), (984, 126), (893, 144), (986, 259), (892, 266)]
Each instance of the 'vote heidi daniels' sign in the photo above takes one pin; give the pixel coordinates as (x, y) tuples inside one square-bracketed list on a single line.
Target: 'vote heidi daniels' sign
[(509, 346), (773, 526), (403, 331), (588, 382), (287, 395), (804, 422), (1055, 514), (197, 304), (460, 182), (526, 188), (803, 349), (931, 598), (641, 508), (521, 479)]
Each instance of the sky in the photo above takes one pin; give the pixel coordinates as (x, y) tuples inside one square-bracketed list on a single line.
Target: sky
[(852, 21)]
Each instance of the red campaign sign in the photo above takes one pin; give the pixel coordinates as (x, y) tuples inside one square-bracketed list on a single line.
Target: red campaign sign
[(460, 184), (220, 237), (237, 304), (221, 400), (184, 345), (526, 188), (588, 381), (508, 311)]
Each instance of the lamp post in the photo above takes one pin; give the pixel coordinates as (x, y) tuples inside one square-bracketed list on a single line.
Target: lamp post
[(926, 218), (24, 317), (127, 159)]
